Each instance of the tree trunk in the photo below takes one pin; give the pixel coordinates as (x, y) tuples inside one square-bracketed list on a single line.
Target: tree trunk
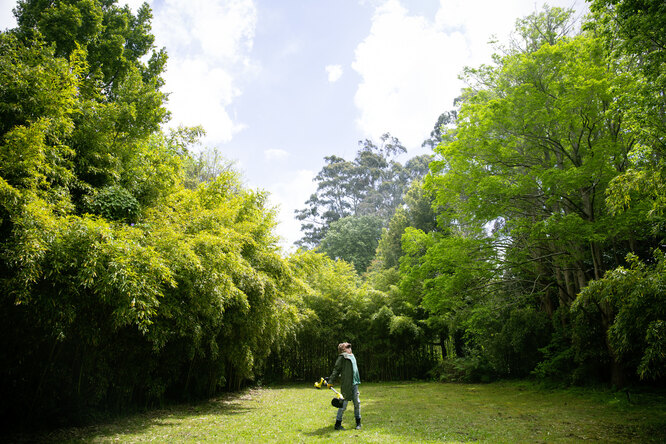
[(617, 371), (595, 251), (617, 374)]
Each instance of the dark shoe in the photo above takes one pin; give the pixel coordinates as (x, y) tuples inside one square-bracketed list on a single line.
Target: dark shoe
[(358, 423), (338, 425)]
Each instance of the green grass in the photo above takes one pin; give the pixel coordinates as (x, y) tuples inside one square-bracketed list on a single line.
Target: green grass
[(393, 412)]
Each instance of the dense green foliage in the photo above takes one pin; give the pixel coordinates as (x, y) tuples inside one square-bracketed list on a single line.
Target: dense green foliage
[(135, 270), (534, 184), (337, 304), (535, 242), (353, 239), (130, 273)]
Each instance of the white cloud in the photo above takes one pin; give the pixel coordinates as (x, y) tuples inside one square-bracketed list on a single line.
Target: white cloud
[(220, 30), (133, 4), (409, 64), (208, 43), (498, 19), (275, 153), (201, 93), (334, 73), (289, 196), (406, 64)]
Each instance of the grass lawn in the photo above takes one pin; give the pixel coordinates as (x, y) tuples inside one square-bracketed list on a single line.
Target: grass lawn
[(406, 412)]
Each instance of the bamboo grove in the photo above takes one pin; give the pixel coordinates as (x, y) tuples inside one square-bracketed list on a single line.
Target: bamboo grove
[(135, 269)]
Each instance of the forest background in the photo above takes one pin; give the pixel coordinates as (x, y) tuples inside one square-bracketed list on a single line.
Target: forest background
[(134, 271)]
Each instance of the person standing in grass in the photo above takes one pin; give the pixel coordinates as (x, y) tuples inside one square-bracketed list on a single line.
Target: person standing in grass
[(347, 370)]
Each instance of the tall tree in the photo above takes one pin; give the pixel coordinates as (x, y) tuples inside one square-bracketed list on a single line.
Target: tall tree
[(417, 213), (444, 123), (353, 239), (633, 35), (120, 102), (371, 184), (632, 32), (537, 144)]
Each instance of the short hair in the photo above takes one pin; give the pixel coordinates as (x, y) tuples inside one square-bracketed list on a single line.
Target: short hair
[(343, 346)]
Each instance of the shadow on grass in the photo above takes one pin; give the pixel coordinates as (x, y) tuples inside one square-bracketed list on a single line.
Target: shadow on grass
[(136, 423), (330, 432)]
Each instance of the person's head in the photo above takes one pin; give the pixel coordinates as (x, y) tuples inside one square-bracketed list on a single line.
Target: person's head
[(344, 347)]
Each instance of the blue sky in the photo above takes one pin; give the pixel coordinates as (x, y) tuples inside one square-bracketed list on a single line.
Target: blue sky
[(279, 84)]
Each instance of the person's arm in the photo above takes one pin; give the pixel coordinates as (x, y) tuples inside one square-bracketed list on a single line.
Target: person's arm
[(336, 369)]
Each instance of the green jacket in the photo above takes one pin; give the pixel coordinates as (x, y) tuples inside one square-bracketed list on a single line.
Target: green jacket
[(346, 368)]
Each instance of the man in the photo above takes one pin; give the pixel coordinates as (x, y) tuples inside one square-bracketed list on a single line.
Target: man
[(346, 368)]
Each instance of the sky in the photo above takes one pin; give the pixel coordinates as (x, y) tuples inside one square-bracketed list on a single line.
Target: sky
[(280, 84)]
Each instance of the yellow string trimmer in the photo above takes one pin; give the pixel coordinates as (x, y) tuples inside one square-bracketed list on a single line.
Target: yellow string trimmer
[(335, 402)]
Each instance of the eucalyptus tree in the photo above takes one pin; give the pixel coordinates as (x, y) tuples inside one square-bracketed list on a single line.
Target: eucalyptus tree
[(444, 122), (371, 184)]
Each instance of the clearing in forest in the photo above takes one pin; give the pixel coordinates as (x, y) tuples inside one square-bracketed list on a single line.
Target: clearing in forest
[(398, 412)]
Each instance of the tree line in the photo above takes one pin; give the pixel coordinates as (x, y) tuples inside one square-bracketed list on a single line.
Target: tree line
[(534, 245), (137, 269)]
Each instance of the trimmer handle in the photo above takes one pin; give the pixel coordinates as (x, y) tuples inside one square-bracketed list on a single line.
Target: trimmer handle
[(323, 382)]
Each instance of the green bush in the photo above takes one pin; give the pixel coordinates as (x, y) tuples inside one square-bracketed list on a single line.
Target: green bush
[(114, 203), (467, 369)]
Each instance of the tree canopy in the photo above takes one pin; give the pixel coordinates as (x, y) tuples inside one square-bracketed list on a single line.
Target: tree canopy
[(132, 270), (136, 268)]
